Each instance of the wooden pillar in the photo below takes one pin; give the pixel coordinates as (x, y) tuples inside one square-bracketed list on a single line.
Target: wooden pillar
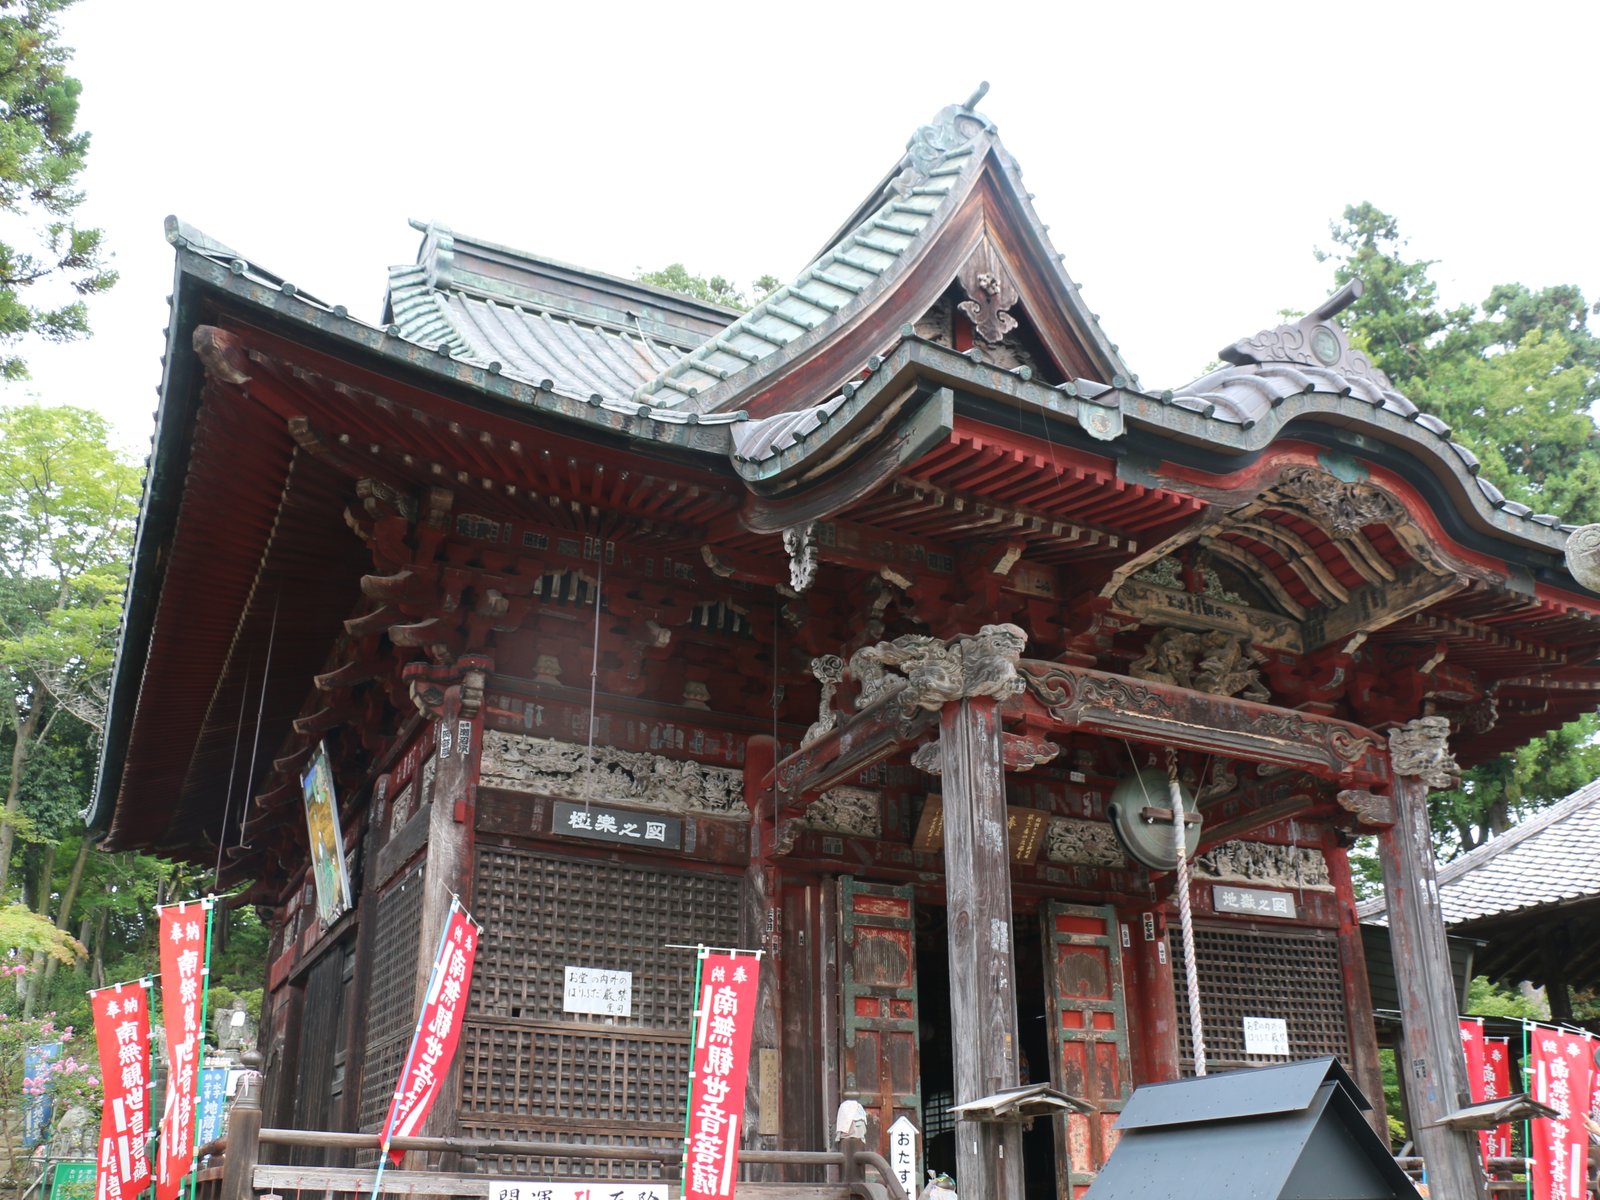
[(1153, 1040), (1366, 1068), (758, 929), (458, 740), (983, 1004), (1433, 1070)]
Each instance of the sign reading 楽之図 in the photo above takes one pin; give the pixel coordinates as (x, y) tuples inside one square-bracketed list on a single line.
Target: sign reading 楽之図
[(1257, 902), (522, 1189), (603, 993), (1266, 1035), (601, 823)]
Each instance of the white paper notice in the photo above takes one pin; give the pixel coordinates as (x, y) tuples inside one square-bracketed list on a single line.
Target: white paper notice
[(1266, 1035), (523, 1189), (601, 993)]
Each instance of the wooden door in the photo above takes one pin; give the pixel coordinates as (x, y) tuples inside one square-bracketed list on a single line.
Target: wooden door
[(879, 984), (1088, 1035)]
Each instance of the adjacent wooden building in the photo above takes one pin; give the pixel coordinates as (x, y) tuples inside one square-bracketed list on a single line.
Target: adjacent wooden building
[(831, 628)]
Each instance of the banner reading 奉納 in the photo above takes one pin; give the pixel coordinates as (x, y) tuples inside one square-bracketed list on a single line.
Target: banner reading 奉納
[(438, 1030), (1563, 1069), (1497, 1076), (724, 1017), (185, 944), (122, 1036)]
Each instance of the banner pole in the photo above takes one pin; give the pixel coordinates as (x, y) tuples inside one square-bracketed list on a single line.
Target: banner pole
[(1527, 1125), (210, 905), (694, 1021), (416, 1035)]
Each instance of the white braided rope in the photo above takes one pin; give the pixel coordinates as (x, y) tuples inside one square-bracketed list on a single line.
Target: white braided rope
[(1180, 837)]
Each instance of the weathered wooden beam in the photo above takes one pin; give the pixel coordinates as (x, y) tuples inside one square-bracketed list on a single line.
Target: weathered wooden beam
[(1434, 1073), (1373, 607), (1115, 705), (983, 1003), (869, 737)]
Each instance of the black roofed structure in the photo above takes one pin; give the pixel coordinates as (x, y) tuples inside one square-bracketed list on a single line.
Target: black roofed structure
[(1293, 1132)]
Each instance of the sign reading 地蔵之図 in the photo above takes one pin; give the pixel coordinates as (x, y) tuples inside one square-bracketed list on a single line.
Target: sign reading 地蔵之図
[(1259, 902), (602, 823), (602, 993)]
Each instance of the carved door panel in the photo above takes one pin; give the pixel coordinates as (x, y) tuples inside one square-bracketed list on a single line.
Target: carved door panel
[(1088, 1035), (878, 973)]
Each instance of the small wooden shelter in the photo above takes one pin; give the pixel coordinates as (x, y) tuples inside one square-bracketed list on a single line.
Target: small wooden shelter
[(832, 628)]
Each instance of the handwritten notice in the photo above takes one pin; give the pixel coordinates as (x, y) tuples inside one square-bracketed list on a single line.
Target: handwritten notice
[(600, 993), (1266, 1035)]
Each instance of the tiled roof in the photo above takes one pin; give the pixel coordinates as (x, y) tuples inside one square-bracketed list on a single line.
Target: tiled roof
[(1552, 858), (578, 357), (827, 293)]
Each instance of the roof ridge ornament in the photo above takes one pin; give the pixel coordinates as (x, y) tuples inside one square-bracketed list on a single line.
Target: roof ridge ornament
[(1315, 340), (952, 129)]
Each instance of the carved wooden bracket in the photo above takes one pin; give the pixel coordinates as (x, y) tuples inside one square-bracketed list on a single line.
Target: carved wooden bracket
[(1019, 752), (1371, 810), (990, 294), (1421, 747)]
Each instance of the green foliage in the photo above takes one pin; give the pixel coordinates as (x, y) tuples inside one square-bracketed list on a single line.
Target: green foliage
[(1517, 379), (41, 156), (24, 933), (714, 289), (1486, 999)]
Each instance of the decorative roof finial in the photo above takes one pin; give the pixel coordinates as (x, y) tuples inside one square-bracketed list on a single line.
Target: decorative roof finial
[(1315, 340), (972, 100)]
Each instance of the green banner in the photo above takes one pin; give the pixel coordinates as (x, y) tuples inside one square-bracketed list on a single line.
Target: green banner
[(73, 1181)]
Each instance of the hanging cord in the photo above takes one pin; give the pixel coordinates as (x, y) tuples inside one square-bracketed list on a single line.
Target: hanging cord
[(1191, 971), (594, 672), (233, 771), (261, 705), (777, 609)]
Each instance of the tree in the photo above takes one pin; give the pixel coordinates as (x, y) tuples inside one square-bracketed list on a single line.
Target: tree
[(1516, 378), (41, 156), (67, 507), (715, 289)]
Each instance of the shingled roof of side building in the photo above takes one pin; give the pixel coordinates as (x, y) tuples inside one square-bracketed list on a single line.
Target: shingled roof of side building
[(1551, 859)]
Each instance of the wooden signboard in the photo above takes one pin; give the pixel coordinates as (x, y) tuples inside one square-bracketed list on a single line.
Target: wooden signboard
[(1024, 830)]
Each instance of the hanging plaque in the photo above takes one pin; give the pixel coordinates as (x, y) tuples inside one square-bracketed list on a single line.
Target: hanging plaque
[(1256, 902), (602, 823)]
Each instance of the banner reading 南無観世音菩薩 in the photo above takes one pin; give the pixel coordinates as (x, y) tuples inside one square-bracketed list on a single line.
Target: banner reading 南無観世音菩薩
[(1562, 1066), (433, 1044), (725, 1013), (122, 1037), (185, 948)]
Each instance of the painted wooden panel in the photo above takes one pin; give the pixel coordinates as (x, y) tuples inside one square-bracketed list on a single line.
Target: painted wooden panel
[(1088, 1035), (879, 1006)]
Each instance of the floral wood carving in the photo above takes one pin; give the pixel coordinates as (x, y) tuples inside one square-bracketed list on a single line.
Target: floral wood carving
[(800, 541), (1342, 508), (850, 810), (1018, 752), (1082, 843), (546, 767), (1216, 662), (828, 670), (1262, 862), (1422, 748), (990, 295)]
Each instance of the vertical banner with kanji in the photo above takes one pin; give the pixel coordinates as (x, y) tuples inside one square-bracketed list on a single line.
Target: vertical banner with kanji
[(1497, 1079), (1563, 1070), (185, 942), (724, 1016), (433, 1044), (1472, 1046), (122, 1035)]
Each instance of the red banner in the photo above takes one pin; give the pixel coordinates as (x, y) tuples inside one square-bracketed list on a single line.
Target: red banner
[(1472, 1045), (438, 1030), (1497, 1076), (122, 1034), (183, 952), (1563, 1077), (723, 1021)]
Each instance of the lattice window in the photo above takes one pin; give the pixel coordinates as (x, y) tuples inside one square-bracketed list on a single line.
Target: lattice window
[(534, 1072), (1258, 971), (391, 1002)]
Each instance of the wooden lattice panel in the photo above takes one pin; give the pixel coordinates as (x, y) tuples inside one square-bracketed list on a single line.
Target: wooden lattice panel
[(392, 996), (1263, 971), (532, 1071)]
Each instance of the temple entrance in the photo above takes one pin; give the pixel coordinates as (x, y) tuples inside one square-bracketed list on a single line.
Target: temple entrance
[(938, 1065)]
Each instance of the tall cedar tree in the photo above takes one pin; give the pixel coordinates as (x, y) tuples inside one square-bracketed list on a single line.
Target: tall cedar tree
[(44, 254), (1516, 378)]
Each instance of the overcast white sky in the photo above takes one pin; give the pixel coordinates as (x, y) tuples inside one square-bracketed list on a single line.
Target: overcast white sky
[(1187, 157)]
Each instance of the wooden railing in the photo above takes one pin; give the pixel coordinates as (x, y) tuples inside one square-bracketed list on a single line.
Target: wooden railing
[(1507, 1176), (841, 1173)]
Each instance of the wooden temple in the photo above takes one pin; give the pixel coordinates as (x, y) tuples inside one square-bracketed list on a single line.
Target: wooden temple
[(868, 628)]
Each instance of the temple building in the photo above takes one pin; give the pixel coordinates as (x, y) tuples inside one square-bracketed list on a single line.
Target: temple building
[(875, 628)]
